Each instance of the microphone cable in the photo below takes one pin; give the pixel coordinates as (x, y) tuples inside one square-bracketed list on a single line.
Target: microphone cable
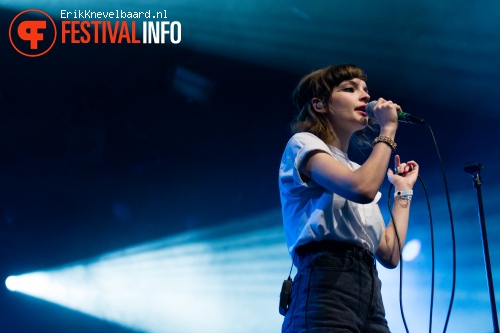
[(452, 226), (401, 255)]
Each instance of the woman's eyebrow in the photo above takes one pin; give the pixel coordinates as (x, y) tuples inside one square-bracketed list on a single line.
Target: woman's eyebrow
[(354, 83)]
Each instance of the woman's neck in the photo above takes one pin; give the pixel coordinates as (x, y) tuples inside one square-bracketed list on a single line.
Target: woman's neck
[(341, 141)]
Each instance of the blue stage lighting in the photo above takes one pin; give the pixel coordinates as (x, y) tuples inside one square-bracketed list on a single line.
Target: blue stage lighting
[(411, 250), (213, 280), (227, 279)]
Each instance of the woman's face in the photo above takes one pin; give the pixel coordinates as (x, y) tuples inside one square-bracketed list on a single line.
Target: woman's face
[(347, 105)]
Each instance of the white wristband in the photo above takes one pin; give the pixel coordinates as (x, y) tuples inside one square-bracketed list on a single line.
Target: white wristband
[(404, 194)]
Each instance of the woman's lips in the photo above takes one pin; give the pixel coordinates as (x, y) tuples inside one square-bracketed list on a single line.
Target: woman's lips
[(361, 109)]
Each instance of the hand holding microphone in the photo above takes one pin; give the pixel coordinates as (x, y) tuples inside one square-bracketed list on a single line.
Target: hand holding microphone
[(402, 116)]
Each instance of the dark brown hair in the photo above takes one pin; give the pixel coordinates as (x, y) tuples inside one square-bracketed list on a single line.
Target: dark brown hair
[(320, 84)]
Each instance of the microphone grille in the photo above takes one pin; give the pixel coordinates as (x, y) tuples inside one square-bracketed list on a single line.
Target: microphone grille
[(369, 110)]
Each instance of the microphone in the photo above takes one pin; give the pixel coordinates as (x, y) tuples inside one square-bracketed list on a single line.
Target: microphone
[(403, 117)]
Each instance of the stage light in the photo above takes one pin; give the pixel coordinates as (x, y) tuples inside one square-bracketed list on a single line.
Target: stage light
[(213, 280), (10, 283), (411, 250), (227, 279)]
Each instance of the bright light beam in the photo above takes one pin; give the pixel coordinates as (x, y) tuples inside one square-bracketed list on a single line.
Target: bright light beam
[(228, 278), (411, 250), (215, 280)]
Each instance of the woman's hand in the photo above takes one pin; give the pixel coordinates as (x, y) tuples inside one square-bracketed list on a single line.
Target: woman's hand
[(386, 113), (404, 175)]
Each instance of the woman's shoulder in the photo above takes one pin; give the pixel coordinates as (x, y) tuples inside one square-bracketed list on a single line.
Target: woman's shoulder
[(305, 138), (306, 142), (303, 143)]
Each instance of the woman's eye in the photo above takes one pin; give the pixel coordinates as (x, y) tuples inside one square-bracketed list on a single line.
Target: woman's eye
[(350, 89)]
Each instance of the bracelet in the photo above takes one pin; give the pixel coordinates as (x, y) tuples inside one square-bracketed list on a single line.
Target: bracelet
[(387, 140), (404, 194)]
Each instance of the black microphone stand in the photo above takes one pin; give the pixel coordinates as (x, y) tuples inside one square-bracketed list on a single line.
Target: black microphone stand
[(475, 170)]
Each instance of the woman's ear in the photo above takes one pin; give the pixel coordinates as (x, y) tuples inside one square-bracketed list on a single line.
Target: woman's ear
[(318, 105)]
